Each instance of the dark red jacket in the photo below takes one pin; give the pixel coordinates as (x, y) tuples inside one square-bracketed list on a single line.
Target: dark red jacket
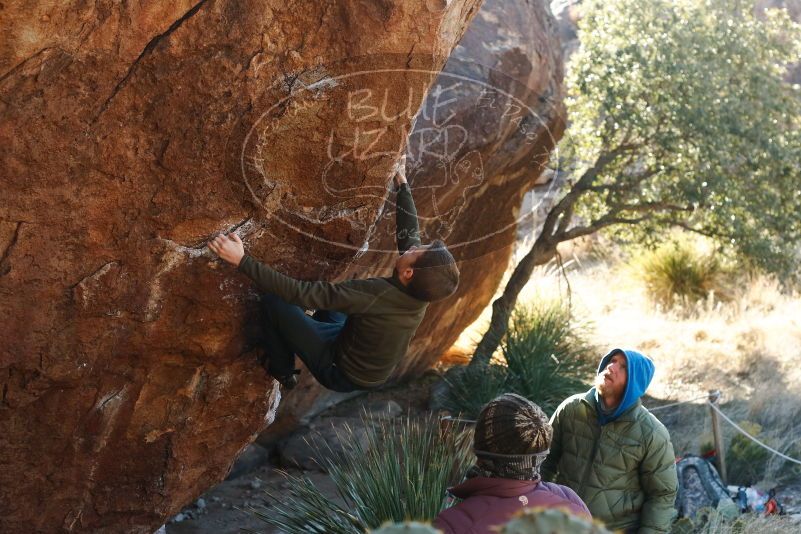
[(490, 502)]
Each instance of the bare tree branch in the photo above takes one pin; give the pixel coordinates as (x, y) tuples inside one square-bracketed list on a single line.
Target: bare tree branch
[(603, 222), (580, 187), (642, 207), (700, 231)]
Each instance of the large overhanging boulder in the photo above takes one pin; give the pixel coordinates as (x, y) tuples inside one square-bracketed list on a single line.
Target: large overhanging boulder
[(480, 142), (130, 133), (506, 80)]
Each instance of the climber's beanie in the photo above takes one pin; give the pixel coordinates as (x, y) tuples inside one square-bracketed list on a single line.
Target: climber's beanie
[(511, 439), (511, 424), (436, 275)]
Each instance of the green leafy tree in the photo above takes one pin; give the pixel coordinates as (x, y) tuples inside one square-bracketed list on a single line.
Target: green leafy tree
[(680, 117)]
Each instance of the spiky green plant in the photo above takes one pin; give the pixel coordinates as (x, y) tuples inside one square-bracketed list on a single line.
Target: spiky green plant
[(469, 388), (400, 474), (547, 354), (302, 507), (678, 273)]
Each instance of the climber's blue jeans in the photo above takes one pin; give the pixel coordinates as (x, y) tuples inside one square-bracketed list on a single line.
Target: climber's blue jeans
[(288, 331)]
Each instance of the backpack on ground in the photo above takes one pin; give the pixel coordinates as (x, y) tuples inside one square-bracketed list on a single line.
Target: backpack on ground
[(700, 487)]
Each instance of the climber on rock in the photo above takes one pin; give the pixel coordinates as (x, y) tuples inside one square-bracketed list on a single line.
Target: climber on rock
[(362, 328)]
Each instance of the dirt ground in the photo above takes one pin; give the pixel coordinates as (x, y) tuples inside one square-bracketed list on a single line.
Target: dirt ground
[(229, 506)]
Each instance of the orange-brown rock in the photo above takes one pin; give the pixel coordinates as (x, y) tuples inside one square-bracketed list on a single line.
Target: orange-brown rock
[(479, 144), (131, 132)]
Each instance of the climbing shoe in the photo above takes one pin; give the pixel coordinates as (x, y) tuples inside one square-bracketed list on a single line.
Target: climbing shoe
[(289, 381)]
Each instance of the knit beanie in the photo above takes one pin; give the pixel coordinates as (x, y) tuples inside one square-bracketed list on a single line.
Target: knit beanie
[(511, 439)]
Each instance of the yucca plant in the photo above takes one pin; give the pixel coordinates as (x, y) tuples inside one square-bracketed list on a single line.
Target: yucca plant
[(547, 354), (400, 474), (469, 388), (304, 508), (678, 273)]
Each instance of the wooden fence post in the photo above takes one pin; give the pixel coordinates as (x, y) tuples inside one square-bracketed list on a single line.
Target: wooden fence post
[(717, 434)]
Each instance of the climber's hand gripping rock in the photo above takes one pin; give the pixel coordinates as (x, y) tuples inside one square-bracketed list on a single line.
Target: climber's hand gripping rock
[(229, 248), (399, 171)]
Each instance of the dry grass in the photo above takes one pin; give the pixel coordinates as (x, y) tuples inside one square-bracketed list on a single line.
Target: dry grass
[(745, 524)]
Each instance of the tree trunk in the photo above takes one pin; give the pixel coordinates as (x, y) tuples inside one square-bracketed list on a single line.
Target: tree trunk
[(541, 252)]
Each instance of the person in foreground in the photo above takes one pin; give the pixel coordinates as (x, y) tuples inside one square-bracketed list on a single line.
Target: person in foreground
[(511, 440), (362, 328), (614, 452)]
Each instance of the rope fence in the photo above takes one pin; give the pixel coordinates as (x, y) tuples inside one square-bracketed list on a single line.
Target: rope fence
[(671, 405), (752, 438), (711, 400)]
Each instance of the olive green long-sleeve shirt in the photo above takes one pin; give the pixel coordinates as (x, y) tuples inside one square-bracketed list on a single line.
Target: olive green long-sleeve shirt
[(382, 316)]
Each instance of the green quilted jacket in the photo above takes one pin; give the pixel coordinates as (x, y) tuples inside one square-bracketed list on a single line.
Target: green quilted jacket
[(625, 470)]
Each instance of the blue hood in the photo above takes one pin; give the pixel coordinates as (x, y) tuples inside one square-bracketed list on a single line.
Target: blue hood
[(640, 370)]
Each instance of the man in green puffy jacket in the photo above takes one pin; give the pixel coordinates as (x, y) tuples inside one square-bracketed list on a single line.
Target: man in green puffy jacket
[(613, 452)]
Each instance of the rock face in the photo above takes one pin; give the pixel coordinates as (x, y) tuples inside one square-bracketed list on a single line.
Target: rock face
[(510, 119), (129, 134), (478, 145)]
